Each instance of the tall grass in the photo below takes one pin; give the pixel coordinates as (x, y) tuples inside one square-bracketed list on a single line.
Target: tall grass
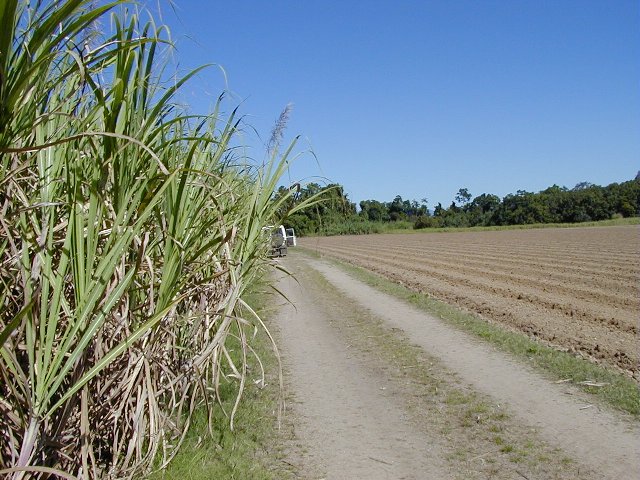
[(127, 240), (359, 226)]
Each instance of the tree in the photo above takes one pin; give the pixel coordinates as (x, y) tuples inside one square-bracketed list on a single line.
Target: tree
[(582, 186), (485, 203), (624, 198), (425, 203), (463, 196), (397, 209), (335, 214), (374, 211), (481, 209)]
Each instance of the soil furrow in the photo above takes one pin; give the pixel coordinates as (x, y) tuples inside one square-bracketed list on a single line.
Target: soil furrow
[(599, 310), (628, 272), (564, 303), (528, 275), (555, 328)]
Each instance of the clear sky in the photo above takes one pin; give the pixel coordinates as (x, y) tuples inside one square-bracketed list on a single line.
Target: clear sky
[(420, 98)]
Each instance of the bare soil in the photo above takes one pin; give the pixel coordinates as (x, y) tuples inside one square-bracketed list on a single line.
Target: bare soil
[(577, 289), (383, 391)]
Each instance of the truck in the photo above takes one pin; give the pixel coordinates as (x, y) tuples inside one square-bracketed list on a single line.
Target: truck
[(281, 239), (290, 236)]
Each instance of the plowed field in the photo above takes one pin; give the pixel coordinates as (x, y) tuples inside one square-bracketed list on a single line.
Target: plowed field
[(576, 288)]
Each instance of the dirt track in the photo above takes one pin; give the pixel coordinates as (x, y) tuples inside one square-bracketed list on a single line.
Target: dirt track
[(361, 414), (348, 425), (576, 288)]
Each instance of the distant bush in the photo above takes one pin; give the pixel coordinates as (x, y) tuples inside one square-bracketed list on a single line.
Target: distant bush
[(359, 226), (425, 221)]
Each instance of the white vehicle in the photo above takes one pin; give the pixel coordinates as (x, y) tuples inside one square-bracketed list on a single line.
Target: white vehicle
[(281, 239), (290, 237)]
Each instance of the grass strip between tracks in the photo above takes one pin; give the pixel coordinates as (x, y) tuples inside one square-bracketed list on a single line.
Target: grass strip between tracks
[(609, 387)]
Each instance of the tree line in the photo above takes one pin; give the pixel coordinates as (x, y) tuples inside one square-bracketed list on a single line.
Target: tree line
[(336, 214)]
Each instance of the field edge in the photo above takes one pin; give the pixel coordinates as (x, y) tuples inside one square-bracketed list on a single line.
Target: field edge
[(607, 387)]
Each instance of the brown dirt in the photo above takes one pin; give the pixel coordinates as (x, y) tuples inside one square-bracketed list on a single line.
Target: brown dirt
[(576, 288), (383, 390)]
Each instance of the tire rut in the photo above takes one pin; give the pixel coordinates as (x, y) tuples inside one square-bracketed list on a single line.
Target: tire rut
[(349, 422)]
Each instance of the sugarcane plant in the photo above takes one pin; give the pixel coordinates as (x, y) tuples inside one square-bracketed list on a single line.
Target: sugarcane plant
[(129, 233)]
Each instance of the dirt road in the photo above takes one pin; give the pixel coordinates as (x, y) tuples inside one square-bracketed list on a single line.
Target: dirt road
[(368, 404)]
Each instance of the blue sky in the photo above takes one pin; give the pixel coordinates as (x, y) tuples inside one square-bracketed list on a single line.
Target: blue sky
[(420, 98)]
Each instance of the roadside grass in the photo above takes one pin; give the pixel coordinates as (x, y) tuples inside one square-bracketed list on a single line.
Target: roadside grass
[(613, 222), (482, 438), (253, 450), (614, 388), (351, 226), (362, 228)]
